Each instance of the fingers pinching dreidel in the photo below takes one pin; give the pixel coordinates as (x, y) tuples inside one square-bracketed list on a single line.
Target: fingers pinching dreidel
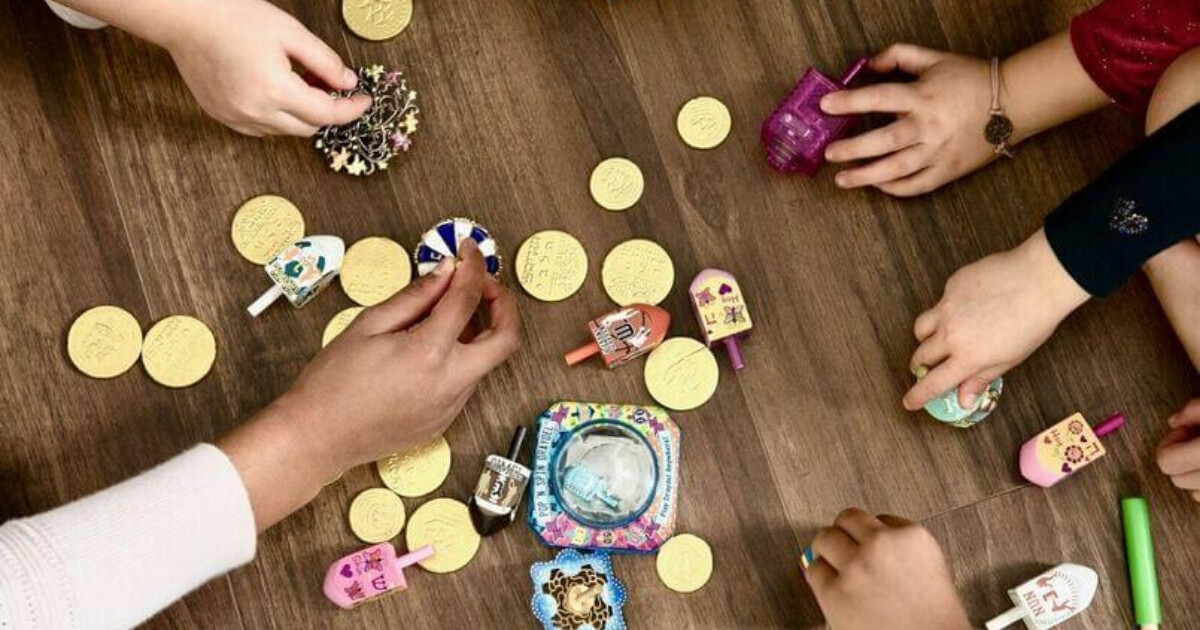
[(370, 573), (300, 271), (721, 310), (624, 334), (1064, 448)]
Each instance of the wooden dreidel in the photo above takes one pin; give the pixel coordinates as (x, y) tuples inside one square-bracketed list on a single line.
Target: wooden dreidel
[(370, 573), (721, 309), (624, 334), (300, 271), (1064, 448)]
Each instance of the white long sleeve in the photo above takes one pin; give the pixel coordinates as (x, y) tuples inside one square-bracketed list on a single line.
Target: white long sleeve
[(114, 559)]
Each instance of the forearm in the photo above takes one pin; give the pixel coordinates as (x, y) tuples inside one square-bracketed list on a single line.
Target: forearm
[(283, 460), (1175, 275), (1044, 86), (114, 559)]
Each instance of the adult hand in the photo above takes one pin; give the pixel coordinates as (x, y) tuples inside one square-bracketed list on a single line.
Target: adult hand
[(883, 572), (394, 379), (993, 314), (938, 132), (237, 57), (1179, 452)]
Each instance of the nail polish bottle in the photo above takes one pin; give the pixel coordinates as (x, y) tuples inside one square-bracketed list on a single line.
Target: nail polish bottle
[(500, 488), (1064, 448), (370, 573), (795, 135), (624, 334), (300, 271)]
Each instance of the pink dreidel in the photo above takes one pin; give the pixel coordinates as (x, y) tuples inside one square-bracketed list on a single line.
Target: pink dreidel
[(1064, 448), (721, 309), (370, 573), (795, 135)]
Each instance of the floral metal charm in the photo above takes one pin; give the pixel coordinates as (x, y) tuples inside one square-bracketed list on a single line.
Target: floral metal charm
[(366, 145), (1125, 220)]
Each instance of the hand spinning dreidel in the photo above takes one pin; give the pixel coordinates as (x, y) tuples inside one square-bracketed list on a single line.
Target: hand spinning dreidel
[(1064, 448), (301, 270), (721, 309), (624, 334), (370, 573)]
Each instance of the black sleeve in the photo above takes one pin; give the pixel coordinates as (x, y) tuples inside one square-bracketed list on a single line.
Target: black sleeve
[(1143, 204)]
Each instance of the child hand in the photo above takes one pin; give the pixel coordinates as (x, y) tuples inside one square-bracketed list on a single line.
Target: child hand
[(993, 314), (1179, 452), (237, 58), (882, 572), (938, 133)]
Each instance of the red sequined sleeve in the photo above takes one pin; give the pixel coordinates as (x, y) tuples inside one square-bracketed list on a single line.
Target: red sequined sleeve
[(1125, 45)]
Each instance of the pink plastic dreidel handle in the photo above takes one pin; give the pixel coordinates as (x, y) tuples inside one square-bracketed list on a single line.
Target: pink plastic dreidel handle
[(370, 573), (1063, 449)]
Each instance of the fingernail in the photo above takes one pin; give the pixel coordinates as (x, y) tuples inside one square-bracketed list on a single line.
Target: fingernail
[(444, 267), (829, 154), (841, 180), (1173, 420), (970, 399), (349, 77), (469, 245), (825, 102)]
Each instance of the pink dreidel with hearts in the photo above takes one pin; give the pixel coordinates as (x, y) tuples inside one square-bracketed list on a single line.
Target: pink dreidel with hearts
[(1064, 448), (370, 573), (721, 309)]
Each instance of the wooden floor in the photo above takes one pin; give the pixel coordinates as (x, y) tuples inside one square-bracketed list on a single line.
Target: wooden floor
[(116, 190)]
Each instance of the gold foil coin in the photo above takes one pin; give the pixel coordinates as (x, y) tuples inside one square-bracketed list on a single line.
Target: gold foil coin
[(339, 323), (685, 563), (104, 341), (377, 20), (446, 525), (616, 184), (179, 351), (682, 374), (374, 269), (703, 122), (418, 471), (376, 515), (638, 271), (264, 225), (551, 265)]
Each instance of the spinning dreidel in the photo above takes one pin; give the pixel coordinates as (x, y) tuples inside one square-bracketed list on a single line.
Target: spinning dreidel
[(721, 309), (300, 271), (370, 573), (624, 334)]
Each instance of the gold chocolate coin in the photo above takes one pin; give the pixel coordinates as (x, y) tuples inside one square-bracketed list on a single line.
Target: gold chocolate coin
[(377, 20), (685, 563), (104, 341), (339, 323), (264, 225), (703, 122), (616, 184), (551, 265), (418, 471), (376, 515), (374, 269), (638, 271), (179, 351), (682, 374), (446, 525)]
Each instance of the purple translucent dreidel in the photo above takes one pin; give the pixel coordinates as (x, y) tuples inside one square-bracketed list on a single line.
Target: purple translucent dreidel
[(721, 309), (796, 133), (370, 573)]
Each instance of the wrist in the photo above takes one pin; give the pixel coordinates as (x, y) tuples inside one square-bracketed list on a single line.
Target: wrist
[(1060, 290)]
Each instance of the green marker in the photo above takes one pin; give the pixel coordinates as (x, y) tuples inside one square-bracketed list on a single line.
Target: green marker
[(1139, 549)]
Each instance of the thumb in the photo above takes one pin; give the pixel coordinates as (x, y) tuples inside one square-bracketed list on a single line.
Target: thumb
[(906, 58), (1174, 436), (320, 60), (406, 307), (970, 389)]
